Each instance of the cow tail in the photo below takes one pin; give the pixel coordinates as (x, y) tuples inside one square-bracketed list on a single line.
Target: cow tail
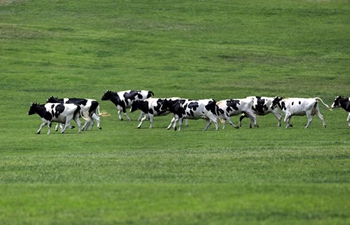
[(78, 110), (98, 110), (324, 103)]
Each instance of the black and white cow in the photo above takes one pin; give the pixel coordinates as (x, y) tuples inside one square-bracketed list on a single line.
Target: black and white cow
[(56, 112), (124, 99), (89, 109), (192, 109), (339, 101), (232, 107), (262, 107), (151, 107), (299, 107)]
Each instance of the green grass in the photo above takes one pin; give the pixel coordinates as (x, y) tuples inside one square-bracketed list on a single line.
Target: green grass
[(191, 49)]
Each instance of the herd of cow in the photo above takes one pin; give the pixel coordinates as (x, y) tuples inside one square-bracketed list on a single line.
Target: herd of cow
[(62, 111)]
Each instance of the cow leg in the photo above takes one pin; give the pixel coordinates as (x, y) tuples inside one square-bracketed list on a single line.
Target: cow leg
[(309, 119), (287, 119), (228, 118), (216, 125), (77, 121), (56, 127), (223, 121), (127, 116), (119, 115), (49, 127), (171, 123), (252, 118), (91, 124), (141, 122), (87, 123), (208, 124), (97, 118), (255, 121), (319, 115), (180, 124), (67, 124), (140, 117), (279, 118), (41, 127), (348, 119), (241, 118), (211, 119), (150, 121)]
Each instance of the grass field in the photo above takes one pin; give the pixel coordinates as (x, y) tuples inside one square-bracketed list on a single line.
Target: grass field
[(192, 49)]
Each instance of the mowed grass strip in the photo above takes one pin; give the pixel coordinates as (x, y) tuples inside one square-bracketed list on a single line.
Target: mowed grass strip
[(175, 203)]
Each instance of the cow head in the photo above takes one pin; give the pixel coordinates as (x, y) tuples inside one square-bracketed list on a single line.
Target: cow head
[(261, 105), (134, 106), (170, 105), (336, 103), (107, 95), (33, 109), (52, 100), (276, 102)]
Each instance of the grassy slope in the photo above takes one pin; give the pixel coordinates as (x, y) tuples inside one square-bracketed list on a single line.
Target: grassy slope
[(188, 49)]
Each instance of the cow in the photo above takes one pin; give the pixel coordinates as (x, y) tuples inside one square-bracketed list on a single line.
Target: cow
[(56, 112), (299, 107), (262, 107), (340, 101), (192, 109), (151, 107), (124, 99), (89, 109), (232, 107)]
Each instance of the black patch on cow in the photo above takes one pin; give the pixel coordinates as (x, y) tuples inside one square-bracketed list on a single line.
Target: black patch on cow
[(48, 116), (283, 106), (292, 103), (212, 107), (142, 105), (58, 110), (150, 94), (260, 106), (54, 100), (131, 95), (299, 102), (93, 107), (233, 104), (77, 101), (346, 105), (139, 96), (193, 106)]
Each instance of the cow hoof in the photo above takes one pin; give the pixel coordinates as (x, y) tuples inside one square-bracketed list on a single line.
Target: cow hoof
[(37, 132), (138, 127), (100, 128)]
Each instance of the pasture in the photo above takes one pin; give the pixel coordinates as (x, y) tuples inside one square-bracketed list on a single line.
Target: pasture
[(191, 49)]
